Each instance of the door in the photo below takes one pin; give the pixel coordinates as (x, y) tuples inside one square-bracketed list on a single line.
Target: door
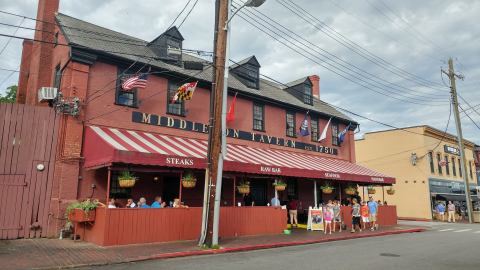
[(171, 188), (12, 188), (259, 192)]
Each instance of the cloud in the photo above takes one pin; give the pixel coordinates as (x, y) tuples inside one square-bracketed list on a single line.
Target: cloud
[(417, 37)]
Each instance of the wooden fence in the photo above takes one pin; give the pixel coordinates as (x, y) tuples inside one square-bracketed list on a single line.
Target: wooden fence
[(28, 138)]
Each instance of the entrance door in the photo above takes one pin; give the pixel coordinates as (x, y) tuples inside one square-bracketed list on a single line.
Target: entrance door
[(171, 186), (259, 192)]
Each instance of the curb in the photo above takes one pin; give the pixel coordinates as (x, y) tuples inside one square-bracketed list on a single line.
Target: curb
[(268, 246)]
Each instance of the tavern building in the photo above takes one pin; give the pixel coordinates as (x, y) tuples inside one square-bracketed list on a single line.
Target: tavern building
[(143, 132)]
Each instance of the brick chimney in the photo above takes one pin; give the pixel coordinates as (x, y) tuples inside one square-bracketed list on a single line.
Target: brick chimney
[(41, 69), (315, 79)]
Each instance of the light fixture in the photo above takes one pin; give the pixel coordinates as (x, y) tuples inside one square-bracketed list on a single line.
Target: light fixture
[(413, 159), (254, 3), (40, 167)]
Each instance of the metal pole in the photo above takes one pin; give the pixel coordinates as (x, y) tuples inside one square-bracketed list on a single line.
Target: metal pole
[(383, 194), (206, 192), (234, 192), (109, 179), (180, 188), (453, 90), (315, 193)]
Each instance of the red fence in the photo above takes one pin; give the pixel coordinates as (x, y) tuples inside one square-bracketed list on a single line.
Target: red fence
[(28, 137), (131, 226), (387, 215)]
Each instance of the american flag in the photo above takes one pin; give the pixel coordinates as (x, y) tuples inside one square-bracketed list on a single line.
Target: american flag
[(137, 81)]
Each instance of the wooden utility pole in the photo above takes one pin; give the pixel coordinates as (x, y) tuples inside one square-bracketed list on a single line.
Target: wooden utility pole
[(215, 146), (453, 91)]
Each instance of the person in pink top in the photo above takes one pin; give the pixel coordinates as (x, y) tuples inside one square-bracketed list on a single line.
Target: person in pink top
[(328, 217)]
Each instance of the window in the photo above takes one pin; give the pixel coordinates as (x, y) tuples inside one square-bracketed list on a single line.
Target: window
[(470, 169), (314, 129), (57, 77), (258, 117), (447, 166), (291, 124), (430, 159), (292, 188), (307, 94), (55, 40), (334, 133), (178, 107), (122, 97), (439, 165), (454, 168), (460, 168)]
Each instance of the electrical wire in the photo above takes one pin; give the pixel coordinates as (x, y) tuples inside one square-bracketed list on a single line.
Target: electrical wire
[(178, 15), (10, 38), (470, 117), (468, 104), (188, 14)]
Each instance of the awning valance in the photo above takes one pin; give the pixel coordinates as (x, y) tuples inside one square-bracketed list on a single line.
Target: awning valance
[(104, 146)]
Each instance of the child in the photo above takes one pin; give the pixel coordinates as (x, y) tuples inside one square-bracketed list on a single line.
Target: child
[(328, 216), (355, 215), (337, 215), (364, 213)]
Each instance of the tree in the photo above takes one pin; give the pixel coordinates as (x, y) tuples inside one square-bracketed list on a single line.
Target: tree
[(11, 95)]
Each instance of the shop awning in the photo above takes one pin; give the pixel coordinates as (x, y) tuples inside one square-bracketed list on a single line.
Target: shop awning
[(104, 146)]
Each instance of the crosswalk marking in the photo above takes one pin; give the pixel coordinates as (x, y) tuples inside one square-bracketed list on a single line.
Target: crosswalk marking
[(464, 230), (444, 230)]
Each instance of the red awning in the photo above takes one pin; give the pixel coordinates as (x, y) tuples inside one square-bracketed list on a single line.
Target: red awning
[(104, 146)]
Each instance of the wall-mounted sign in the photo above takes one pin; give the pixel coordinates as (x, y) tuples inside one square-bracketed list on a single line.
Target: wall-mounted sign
[(165, 121), (451, 150)]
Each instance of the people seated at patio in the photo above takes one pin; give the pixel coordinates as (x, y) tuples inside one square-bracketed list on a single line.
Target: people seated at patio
[(130, 204), (158, 203), (178, 204), (142, 203), (275, 201), (112, 203)]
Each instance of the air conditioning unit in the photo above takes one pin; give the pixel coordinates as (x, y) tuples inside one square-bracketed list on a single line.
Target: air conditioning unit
[(47, 93)]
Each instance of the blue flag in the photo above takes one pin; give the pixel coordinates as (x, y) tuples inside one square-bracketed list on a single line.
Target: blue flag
[(304, 127), (341, 135)]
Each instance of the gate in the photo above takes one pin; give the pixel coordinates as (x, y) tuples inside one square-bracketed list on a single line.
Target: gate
[(28, 139)]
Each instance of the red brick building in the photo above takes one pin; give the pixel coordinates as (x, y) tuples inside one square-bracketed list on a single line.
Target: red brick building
[(143, 132)]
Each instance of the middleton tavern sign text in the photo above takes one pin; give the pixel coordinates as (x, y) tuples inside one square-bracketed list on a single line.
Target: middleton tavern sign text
[(152, 119)]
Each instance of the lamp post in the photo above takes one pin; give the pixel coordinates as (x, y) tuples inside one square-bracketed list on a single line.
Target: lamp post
[(217, 147)]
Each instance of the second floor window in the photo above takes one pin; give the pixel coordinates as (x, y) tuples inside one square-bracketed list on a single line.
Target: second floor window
[(122, 97), (291, 124), (454, 167), (460, 168), (258, 117), (430, 159), (439, 164), (57, 79), (307, 94), (177, 107), (314, 129), (447, 166), (334, 133)]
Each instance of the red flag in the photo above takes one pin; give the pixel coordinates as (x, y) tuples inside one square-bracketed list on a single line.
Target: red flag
[(231, 110)]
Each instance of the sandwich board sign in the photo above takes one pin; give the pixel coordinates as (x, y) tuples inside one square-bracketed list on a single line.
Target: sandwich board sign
[(315, 219)]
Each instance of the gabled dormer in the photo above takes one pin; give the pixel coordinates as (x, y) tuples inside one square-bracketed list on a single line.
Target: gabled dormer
[(248, 72), (168, 46), (301, 89)]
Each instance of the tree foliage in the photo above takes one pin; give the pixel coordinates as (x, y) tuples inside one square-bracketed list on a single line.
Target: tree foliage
[(11, 95)]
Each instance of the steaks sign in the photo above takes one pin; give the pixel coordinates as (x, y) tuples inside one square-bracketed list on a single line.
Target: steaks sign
[(166, 121)]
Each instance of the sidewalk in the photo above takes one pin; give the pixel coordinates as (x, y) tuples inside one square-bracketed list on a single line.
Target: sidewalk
[(56, 254)]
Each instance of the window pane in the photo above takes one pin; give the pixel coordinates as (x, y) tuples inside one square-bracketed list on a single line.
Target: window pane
[(290, 124), (438, 164), (335, 134), (314, 129), (178, 107), (460, 168), (126, 98), (430, 159), (307, 95), (258, 117), (447, 166), (454, 169)]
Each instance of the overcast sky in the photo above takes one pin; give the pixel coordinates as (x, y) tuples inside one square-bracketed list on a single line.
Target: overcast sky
[(404, 44)]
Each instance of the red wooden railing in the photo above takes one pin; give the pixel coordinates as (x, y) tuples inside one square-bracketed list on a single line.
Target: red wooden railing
[(131, 226), (387, 215)]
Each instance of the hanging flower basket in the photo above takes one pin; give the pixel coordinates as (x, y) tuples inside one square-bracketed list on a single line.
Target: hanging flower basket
[(350, 190), (327, 188), (371, 190), (126, 179), (390, 191), (243, 188), (189, 180), (280, 185)]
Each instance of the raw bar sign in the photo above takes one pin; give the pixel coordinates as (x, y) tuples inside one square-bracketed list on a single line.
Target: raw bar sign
[(157, 120)]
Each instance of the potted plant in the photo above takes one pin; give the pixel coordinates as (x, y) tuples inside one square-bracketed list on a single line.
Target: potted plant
[(279, 185), (327, 188), (126, 179), (243, 187), (390, 191), (371, 190), (351, 189), (189, 180), (83, 211)]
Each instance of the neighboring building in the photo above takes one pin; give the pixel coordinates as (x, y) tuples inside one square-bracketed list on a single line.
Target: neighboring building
[(142, 131), (426, 164), (476, 155)]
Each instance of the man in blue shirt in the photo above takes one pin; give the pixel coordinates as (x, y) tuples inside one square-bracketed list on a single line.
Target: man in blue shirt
[(158, 203), (440, 209), (373, 210), (275, 201), (142, 203)]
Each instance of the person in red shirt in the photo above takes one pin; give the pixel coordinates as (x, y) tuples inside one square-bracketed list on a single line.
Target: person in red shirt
[(292, 210), (364, 212)]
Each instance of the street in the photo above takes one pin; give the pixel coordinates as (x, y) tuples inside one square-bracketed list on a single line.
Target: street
[(443, 246)]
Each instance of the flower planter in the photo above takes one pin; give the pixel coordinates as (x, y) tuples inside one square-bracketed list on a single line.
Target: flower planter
[(80, 215), (371, 191), (327, 190), (189, 183), (390, 191), (280, 187), (127, 183), (350, 191), (243, 189)]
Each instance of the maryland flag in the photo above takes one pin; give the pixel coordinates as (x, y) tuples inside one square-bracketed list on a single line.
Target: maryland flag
[(185, 92)]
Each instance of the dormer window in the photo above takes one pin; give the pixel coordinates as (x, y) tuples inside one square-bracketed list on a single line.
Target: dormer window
[(168, 46), (248, 72), (307, 94), (302, 90)]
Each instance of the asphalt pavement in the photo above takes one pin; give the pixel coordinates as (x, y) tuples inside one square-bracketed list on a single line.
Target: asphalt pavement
[(442, 246)]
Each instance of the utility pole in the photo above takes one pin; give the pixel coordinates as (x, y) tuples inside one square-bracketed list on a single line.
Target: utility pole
[(453, 91), (215, 146)]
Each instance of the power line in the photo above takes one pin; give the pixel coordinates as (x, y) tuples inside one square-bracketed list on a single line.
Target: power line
[(180, 13), (470, 117), (188, 14), (6, 78), (10, 38), (334, 68), (468, 104)]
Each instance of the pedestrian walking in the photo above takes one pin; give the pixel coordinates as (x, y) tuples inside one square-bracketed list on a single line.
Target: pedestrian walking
[(355, 215), (451, 211), (440, 209), (292, 210), (365, 214), (373, 210), (337, 215), (328, 217)]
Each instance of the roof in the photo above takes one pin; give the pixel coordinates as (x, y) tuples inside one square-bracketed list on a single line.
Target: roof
[(297, 82), (252, 60), (93, 37)]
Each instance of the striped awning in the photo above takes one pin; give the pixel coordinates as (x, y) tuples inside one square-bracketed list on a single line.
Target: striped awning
[(104, 146)]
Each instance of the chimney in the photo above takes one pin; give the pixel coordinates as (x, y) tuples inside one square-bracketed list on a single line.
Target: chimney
[(41, 55), (24, 71), (315, 79)]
